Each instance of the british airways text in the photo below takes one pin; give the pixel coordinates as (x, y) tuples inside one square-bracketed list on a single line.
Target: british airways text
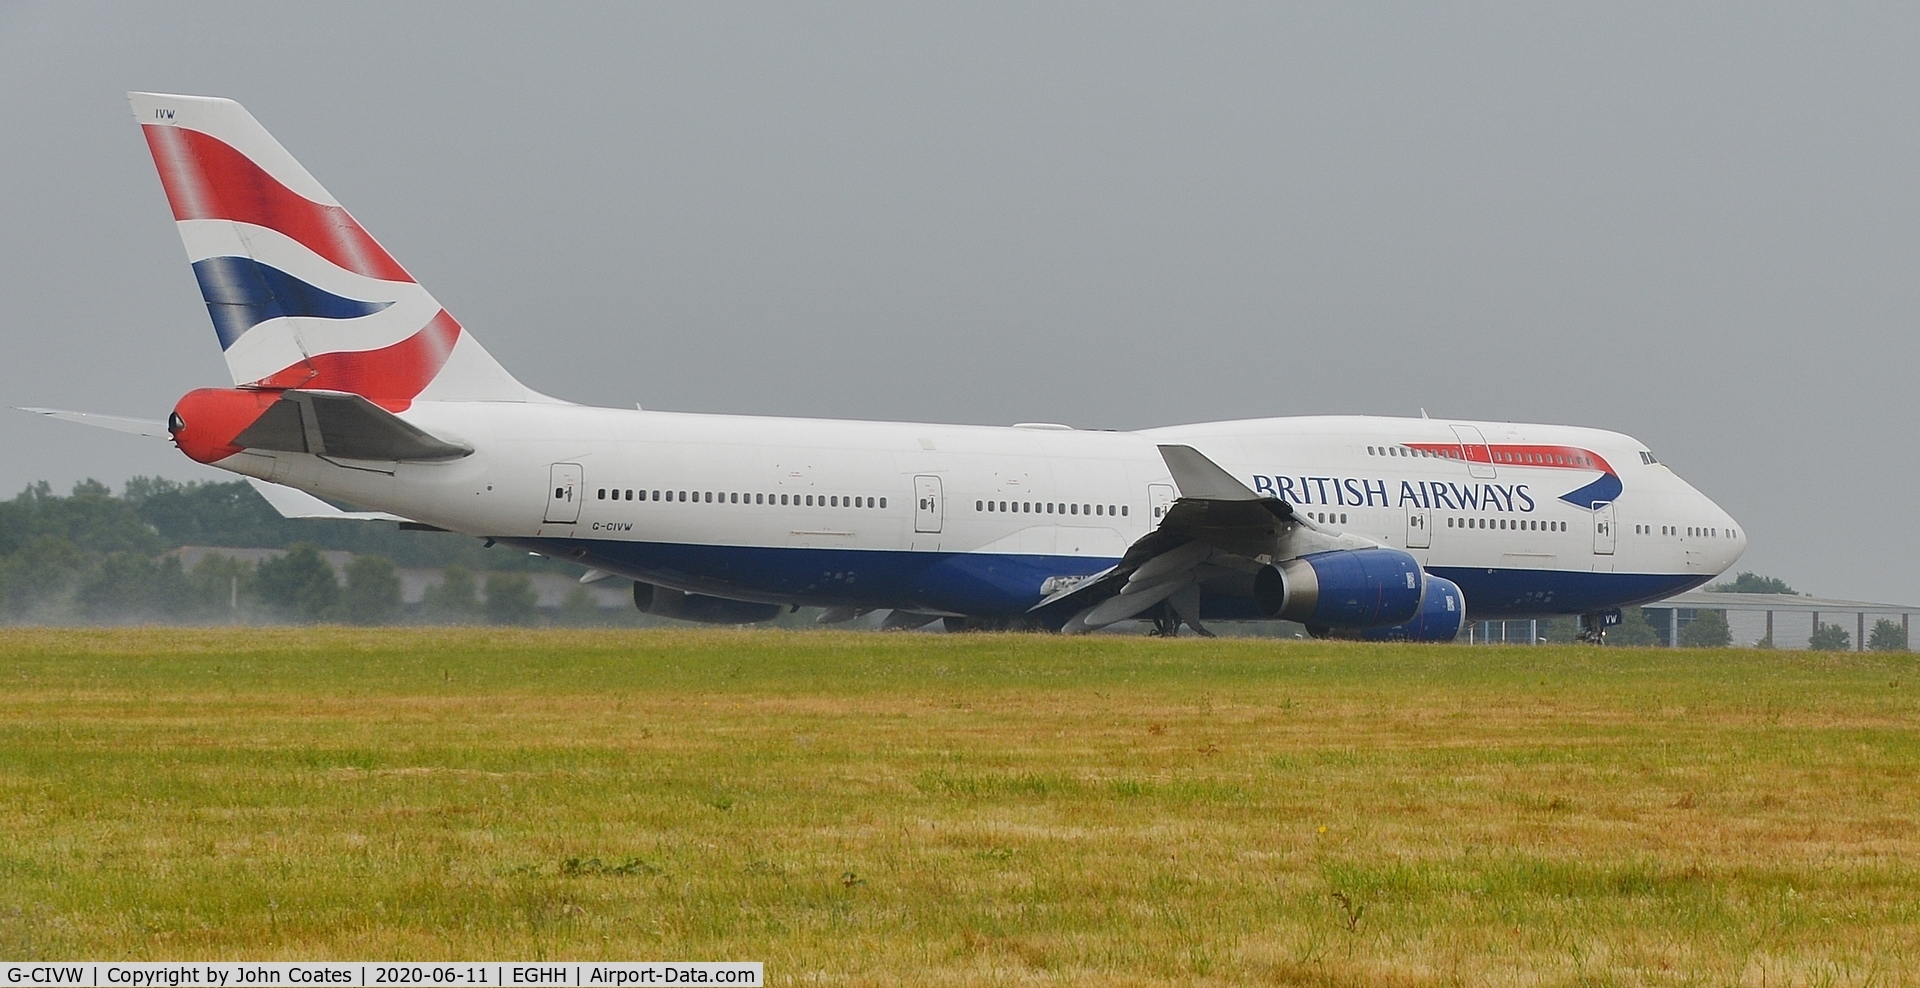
[(1362, 492)]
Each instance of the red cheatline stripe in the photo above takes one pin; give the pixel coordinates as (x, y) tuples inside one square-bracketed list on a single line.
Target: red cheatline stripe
[(206, 179), (390, 377), (1520, 455)]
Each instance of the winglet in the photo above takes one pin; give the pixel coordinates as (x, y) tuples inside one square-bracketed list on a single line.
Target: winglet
[(1203, 479)]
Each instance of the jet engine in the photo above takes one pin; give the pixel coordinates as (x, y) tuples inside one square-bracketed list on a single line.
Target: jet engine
[(700, 607), (1342, 588), (1443, 612)]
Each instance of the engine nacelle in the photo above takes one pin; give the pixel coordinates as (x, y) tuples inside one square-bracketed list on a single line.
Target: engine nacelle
[(1443, 612), (1342, 588), (700, 607)]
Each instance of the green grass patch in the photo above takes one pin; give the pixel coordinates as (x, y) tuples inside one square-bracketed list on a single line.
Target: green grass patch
[(964, 809)]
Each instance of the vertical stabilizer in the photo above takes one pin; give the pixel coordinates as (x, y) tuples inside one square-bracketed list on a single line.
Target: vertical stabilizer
[(300, 295)]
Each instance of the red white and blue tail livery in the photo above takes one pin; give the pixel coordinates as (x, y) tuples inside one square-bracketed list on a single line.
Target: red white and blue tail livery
[(352, 382), (300, 295)]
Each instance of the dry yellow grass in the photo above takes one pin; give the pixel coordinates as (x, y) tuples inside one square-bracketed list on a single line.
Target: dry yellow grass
[(996, 809)]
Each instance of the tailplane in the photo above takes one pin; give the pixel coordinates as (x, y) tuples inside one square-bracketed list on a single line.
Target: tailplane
[(300, 295)]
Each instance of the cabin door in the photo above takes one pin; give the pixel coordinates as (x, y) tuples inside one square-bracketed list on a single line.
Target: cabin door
[(1419, 527), (563, 494), (1603, 528), (1473, 445), (1159, 499), (927, 505)]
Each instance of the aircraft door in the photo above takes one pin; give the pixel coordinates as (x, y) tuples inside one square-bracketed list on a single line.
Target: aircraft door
[(1603, 528), (1419, 527), (927, 507), (563, 494), (1479, 455), (1159, 499)]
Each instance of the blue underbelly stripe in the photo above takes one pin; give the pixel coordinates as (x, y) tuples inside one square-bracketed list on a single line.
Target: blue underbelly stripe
[(996, 584)]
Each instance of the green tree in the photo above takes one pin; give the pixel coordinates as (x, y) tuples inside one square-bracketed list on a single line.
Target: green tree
[(454, 600), (92, 519), (219, 585), (1887, 636), (1751, 582), (373, 591), (1708, 629), (36, 577), (298, 585), (1830, 638), (1633, 629), (510, 599), (119, 588)]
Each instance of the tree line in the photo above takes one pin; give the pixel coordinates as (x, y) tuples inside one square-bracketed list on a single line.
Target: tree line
[(94, 556)]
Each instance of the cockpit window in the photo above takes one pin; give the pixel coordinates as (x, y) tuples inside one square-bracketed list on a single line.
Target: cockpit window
[(1647, 458)]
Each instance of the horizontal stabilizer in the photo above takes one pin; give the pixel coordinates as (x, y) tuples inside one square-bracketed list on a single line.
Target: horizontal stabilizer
[(152, 428), (292, 503), (335, 423)]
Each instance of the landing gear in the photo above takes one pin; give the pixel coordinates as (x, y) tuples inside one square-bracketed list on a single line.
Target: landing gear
[(1168, 618), (1594, 625)]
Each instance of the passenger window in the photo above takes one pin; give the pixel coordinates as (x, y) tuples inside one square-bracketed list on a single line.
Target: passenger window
[(883, 502), (979, 506), (1123, 511), (603, 493)]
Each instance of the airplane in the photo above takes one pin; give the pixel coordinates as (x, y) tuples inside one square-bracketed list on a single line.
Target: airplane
[(353, 384)]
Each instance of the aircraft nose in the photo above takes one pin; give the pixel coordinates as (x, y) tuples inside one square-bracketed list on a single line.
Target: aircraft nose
[(1733, 538)]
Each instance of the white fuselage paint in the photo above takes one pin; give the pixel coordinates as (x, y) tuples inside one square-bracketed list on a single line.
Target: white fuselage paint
[(1665, 533)]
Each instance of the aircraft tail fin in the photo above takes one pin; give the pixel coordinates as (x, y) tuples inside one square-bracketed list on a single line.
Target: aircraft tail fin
[(301, 296)]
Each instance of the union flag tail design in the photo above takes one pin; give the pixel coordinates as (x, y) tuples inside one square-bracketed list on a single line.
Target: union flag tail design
[(300, 295)]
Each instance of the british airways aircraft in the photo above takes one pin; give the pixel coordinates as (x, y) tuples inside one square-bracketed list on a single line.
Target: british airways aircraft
[(351, 382)]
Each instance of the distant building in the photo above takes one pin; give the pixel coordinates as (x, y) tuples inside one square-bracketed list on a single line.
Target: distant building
[(1787, 619)]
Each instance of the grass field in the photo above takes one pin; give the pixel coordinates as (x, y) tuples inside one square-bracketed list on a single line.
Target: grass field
[(962, 809)]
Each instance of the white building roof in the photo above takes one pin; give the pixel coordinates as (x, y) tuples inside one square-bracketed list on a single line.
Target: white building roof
[(1794, 603)]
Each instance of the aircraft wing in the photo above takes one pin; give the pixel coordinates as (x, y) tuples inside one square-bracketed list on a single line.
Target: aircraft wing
[(1217, 529)]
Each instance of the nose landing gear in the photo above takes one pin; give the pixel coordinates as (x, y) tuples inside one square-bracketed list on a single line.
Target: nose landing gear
[(1594, 625)]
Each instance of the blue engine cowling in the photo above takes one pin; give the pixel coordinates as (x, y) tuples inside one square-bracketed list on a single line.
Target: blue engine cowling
[(1443, 612), (1343, 588)]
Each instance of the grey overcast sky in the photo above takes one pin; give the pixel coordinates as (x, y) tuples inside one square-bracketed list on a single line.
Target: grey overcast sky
[(1695, 224)]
